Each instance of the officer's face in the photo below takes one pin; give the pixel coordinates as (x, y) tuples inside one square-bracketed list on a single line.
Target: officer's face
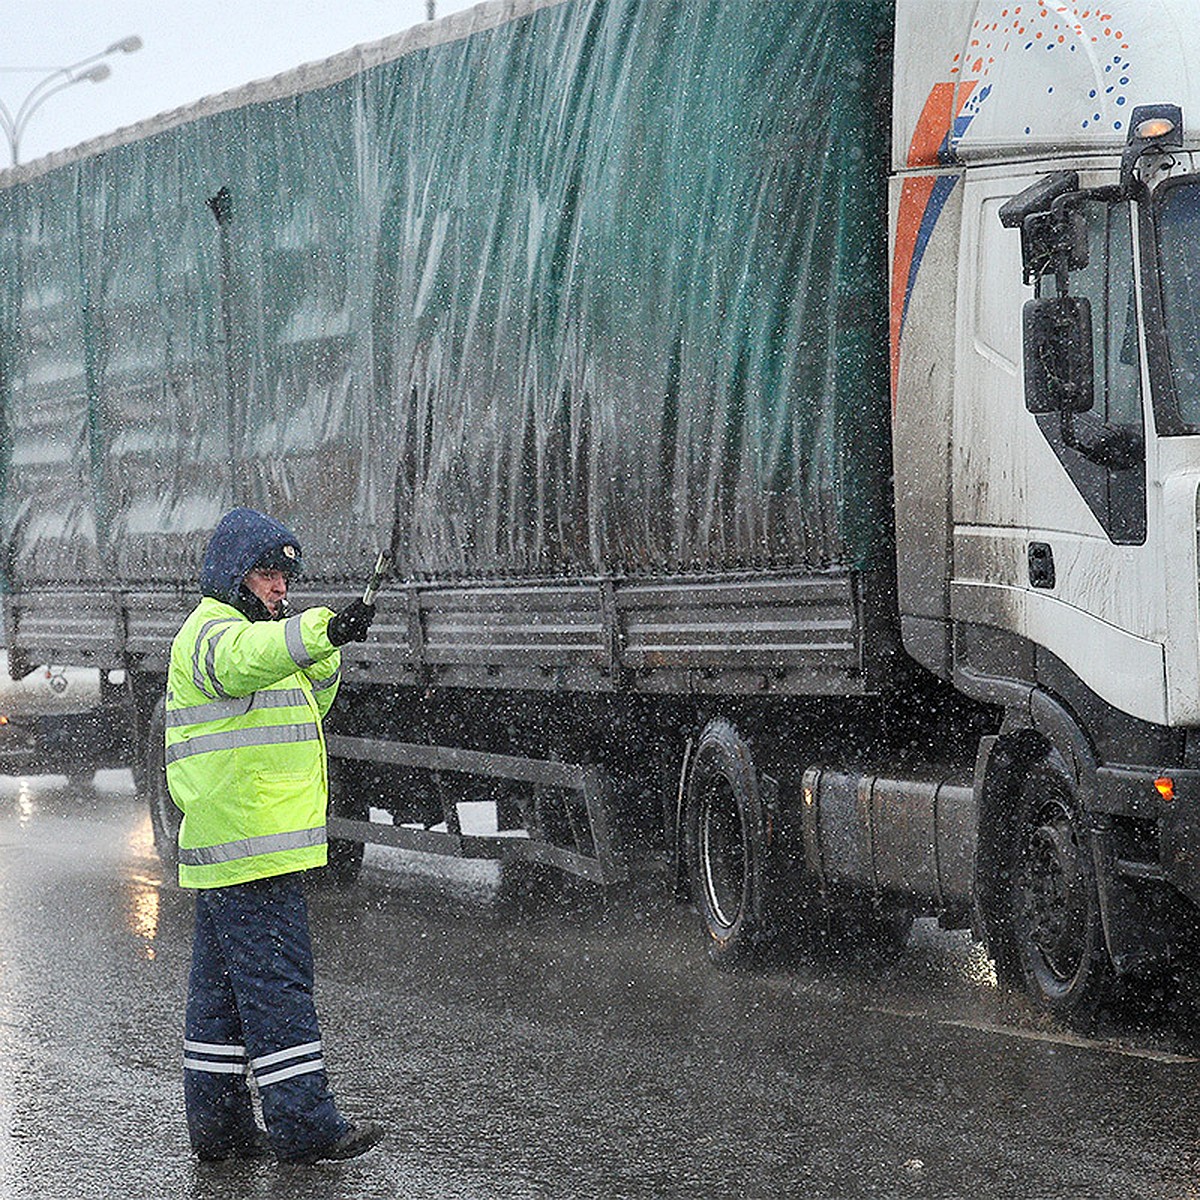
[(270, 586)]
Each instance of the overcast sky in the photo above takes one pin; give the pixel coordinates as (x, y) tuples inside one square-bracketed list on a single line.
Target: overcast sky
[(192, 48)]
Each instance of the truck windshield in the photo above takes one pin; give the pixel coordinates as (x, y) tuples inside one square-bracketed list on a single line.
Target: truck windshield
[(1178, 223)]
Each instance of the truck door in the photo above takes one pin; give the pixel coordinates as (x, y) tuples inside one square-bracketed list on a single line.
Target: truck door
[(1103, 450), (1050, 509)]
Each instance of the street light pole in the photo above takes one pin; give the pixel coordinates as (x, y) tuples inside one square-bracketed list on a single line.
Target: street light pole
[(96, 71)]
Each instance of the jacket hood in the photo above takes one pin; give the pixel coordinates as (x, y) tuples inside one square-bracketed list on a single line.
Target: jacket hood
[(242, 537)]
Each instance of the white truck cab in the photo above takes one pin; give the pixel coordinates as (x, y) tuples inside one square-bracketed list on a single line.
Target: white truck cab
[(1045, 370), (1043, 200)]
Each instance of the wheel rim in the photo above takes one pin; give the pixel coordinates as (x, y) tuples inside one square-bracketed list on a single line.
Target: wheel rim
[(1056, 891), (723, 852)]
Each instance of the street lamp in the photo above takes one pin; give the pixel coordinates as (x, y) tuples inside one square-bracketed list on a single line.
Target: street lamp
[(86, 70)]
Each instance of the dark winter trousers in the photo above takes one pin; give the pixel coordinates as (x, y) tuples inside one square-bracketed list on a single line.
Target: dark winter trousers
[(250, 1009)]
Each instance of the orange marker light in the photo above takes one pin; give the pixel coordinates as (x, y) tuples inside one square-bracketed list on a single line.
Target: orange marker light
[(1155, 127), (1165, 787)]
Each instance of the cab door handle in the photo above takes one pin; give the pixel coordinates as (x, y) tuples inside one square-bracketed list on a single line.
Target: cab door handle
[(1041, 565)]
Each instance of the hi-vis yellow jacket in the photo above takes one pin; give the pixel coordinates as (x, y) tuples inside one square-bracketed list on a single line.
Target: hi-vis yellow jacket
[(245, 749)]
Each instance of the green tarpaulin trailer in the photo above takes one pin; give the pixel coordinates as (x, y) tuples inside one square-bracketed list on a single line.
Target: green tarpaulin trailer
[(579, 308)]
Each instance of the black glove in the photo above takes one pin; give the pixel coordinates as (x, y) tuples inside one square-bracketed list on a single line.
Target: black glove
[(352, 623)]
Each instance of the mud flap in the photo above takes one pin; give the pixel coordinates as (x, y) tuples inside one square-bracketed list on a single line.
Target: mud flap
[(1140, 936)]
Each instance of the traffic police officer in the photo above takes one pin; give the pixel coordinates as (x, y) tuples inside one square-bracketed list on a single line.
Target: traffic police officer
[(246, 693)]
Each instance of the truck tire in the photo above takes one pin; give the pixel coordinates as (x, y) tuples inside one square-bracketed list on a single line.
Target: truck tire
[(347, 798), (164, 816), (725, 846), (1058, 936)]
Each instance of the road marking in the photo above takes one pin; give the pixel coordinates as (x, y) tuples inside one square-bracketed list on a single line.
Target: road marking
[(1033, 1035)]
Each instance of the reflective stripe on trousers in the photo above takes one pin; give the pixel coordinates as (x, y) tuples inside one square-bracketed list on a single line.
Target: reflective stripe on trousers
[(268, 1068), (215, 1058)]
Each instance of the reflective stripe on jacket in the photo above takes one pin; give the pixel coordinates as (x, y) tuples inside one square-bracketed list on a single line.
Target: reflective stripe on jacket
[(244, 747)]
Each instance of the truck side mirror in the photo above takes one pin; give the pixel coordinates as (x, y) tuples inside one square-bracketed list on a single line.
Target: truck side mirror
[(1058, 354)]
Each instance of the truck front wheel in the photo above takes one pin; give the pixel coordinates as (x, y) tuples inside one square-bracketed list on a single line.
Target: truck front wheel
[(725, 844), (1055, 906)]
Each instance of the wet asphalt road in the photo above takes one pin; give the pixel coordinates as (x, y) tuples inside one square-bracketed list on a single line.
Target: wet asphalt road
[(579, 1048)]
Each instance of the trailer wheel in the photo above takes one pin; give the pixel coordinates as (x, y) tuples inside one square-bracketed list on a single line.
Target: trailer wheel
[(1055, 907), (347, 798), (725, 845), (165, 818)]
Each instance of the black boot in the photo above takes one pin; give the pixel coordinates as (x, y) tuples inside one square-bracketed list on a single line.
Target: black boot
[(358, 1139)]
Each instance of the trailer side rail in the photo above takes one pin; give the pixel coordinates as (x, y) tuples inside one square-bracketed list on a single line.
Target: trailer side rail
[(593, 855)]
